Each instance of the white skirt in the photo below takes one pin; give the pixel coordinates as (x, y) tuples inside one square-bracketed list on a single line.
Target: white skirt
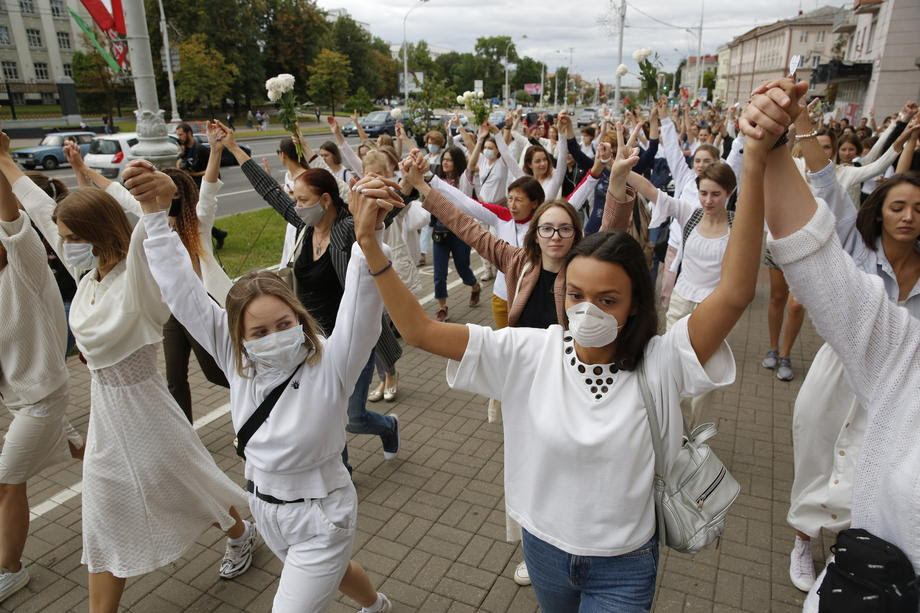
[(150, 488), (827, 431)]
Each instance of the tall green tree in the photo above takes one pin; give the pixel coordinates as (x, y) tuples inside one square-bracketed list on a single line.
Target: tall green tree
[(204, 74), (435, 94), (329, 76), (95, 82), (492, 50), (527, 71), (293, 29)]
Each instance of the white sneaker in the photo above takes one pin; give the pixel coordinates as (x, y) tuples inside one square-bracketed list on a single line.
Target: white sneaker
[(801, 565), (521, 576), (238, 557), (11, 582), (383, 605)]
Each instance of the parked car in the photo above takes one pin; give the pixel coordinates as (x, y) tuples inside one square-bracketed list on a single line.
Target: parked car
[(497, 119), (349, 128), (49, 153), (379, 122), (587, 117), (108, 153)]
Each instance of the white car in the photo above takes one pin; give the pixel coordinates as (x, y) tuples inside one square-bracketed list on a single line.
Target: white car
[(108, 153)]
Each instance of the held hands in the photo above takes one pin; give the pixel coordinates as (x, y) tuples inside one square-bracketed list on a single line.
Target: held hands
[(229, 137), (215, 136), (414, 167), (153, 189), (804, 123), (372, 198), (773, 107)]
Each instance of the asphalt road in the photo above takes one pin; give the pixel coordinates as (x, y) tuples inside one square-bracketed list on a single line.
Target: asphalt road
[(236, 196)]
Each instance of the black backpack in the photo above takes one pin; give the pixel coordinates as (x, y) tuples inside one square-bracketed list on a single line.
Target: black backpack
[(868, 575)]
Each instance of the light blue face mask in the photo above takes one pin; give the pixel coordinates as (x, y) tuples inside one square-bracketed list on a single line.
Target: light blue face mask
[(80, 256), (432, 148)]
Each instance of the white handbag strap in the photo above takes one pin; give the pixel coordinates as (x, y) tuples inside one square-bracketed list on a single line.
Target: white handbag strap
[(652, 415), (297, 245)]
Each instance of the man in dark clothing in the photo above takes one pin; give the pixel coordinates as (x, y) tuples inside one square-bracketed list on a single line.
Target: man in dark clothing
[(193, 158)]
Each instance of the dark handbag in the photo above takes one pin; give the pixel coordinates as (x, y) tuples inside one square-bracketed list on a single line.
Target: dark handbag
[(868, 575), (259, 416), (440, 236)]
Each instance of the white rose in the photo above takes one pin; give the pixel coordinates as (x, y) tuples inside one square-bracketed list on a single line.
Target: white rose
[(271, 84), (285, 82), (636, 54), (622, 70), (396, 114), (479, 95), (468, 96), (460, 100), (274, 95)]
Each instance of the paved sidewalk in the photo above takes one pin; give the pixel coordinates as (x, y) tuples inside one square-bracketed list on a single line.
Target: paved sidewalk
[(431, 523)]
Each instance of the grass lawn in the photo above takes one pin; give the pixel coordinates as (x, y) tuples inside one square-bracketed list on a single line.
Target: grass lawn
[(254, 242)]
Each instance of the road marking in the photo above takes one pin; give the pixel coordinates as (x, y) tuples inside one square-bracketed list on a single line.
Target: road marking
[(62, 496), (242, 191)]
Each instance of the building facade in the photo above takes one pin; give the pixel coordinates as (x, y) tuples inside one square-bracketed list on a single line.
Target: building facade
[(720, 93), (37, 42), (764, 52), (690, 74), (879, 41)]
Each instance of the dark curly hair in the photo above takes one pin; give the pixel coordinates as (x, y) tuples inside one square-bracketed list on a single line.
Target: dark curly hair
[(185, 210)]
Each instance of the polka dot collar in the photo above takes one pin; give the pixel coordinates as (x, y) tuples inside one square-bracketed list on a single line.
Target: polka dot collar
[(598, 379)]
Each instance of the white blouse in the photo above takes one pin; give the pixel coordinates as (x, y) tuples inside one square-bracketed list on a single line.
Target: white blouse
[(702, 256), (579, 462)]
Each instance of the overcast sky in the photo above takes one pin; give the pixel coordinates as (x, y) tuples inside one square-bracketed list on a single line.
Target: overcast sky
[(552, 25)]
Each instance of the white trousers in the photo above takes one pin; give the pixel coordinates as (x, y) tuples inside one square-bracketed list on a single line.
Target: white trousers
[(314, 540)]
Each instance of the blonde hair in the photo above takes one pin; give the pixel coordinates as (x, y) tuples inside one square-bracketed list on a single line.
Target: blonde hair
[(96, 217), (265, 283), (380, 159)]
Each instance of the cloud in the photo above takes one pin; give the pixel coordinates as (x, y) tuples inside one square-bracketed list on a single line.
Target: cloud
[(553, 27)]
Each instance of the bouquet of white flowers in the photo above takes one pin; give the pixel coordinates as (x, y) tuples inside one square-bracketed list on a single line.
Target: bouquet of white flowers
[(474, 101), (648, 73), (281, 89)]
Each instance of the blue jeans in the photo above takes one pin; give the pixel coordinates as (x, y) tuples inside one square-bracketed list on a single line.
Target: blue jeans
[(362, 421), (71, 341), (566, 583), (455, 247)]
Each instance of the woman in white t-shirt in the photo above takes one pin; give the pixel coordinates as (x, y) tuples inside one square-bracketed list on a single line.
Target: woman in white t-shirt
[(578, 455)]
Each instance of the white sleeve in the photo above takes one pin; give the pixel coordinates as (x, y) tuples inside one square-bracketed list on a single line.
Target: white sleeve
[(142, 294), (824, 185), (351, 159), (849, 308), (464, 202), (415, 218), (667, 206), (677, 163), (508, 159), (852, 175), (40, 208), (584, 191), (555, 182), (358, 321), (183, 291), (735, 160), (877, 147), (519, 144), (207, 203), (126, 201)]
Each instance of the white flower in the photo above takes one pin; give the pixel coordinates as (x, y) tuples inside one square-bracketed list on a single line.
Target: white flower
[(274, 95), (272, 84), (641, 54), (467, 96), (285, 82), (622, 70), (460, 100), (479, 95), (396, 114)]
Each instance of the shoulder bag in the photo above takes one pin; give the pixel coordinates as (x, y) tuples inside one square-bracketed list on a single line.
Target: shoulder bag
[(286, 272), (259, 416), (692, 499)]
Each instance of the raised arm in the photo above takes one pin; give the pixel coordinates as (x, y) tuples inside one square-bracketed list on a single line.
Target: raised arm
[(677, 163), (555, 182), (414, 325), (715, 317), (466, 204), (618, 205), (508, 159), (86, 176), (907, 154), (473, 164)]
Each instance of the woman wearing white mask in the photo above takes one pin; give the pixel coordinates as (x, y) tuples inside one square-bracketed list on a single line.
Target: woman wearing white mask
[(486, 169), (271, 347), (578, 456), (326, 233)]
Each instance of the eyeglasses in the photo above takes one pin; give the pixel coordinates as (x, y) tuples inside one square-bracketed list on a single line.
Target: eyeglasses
[(549, 231)]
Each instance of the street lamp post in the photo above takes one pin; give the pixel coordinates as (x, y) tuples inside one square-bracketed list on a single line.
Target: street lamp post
[(507, 92), (406, 54), (169, 69), (153, 143)]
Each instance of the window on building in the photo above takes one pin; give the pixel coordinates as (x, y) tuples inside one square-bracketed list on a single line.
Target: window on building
[(41, 71), (27, 6), (815, 60), (34, 36), (68, 70), (63, 40), (871, 37), (821, 36), (10, 71), (4, 35), (803, 37), (57, 8), (49, 98), (19, 98)]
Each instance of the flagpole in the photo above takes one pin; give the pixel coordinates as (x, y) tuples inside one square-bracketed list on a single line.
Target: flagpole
[(167, 53), (153, 142)]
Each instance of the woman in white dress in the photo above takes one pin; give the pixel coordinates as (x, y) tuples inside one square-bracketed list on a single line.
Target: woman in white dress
[(300, 491), (575, 428), (828, 422), (33, 378), (150, 488)]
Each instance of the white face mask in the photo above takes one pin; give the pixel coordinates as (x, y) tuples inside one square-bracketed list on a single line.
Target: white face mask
[(282, 350), (489, 154), (80, 256), (590, 326), (310, 215)]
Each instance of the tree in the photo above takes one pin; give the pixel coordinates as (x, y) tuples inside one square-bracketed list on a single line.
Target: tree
[(329, 76), (434, 94), (491, 50), (527, 71), (291, 39), (95, 81), (360, 101), (204, 75), (709, 81)]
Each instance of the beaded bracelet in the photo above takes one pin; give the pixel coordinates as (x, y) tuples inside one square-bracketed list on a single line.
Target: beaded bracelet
[(382, 270), (811, 134)]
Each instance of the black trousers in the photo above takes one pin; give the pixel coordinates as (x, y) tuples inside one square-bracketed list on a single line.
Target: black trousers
[(178, 345)]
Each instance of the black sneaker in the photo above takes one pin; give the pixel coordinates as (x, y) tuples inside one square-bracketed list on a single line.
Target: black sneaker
[(391, 439)]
